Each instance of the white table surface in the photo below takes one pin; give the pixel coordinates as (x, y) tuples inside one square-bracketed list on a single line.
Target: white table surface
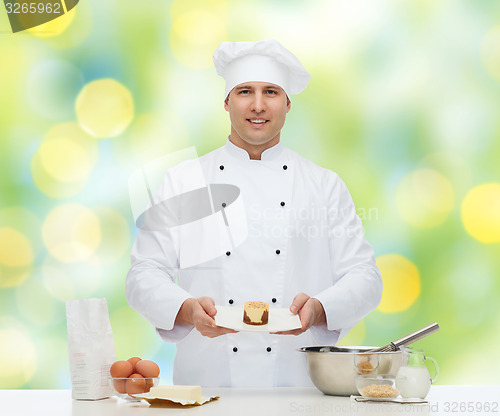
[(443, 400)]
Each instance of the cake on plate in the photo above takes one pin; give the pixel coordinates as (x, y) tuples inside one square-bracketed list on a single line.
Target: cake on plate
[(256, 313)]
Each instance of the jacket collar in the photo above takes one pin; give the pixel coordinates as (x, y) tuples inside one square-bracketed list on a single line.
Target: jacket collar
[(272, 153)]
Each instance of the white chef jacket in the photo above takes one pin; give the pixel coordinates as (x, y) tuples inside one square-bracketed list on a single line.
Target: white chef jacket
[(303, 236)]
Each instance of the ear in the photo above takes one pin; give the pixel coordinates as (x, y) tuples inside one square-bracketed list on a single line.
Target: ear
[(288, 104), (226, 103)]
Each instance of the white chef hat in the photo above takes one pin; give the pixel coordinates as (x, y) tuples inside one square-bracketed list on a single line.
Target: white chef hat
[(264, 61)]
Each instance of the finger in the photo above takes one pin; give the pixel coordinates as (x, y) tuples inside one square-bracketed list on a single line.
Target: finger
[(205, 322), (211, 323), (208, 305), (291, 332), (295, 331), (298, 302), (218, 331), (305, 317), (221, 330), (226, 330), (202, 319)]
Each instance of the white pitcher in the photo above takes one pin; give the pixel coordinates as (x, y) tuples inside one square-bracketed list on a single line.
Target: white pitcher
[(413, 379)]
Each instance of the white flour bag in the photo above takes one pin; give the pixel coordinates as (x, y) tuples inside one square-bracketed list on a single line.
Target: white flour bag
[(91, 348)]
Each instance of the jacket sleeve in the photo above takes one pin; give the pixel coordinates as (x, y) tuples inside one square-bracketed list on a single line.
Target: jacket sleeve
[(357, 283), (150, 285)]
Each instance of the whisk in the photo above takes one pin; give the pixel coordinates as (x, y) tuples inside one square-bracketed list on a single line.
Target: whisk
[(408, 339)]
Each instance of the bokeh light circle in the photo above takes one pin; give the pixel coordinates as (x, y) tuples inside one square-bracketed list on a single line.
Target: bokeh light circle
[(451, 165), (401, 280), (54, 27), (15, 248), (64, 161), (104, 108), (17, 358), (424, 198), (196, 31), (16, 257), (481, 213), (69, 30), (71, 233)]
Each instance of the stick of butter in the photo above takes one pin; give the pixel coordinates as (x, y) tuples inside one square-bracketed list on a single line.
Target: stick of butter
[(191, 393)]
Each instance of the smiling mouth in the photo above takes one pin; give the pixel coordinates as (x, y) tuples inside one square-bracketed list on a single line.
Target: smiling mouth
[(257, 121)]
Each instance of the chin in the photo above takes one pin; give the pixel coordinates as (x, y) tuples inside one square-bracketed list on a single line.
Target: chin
[(258, 142)]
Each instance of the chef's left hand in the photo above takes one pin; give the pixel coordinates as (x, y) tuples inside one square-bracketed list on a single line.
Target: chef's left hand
[(310, 312)]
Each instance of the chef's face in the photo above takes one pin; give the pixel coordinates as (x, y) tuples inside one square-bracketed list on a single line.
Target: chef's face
[(257, 111)]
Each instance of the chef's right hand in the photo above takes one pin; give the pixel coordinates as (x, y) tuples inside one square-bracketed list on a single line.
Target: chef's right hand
[(199, 313)]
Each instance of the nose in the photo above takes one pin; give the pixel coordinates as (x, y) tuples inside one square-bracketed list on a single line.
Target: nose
[(258, 103)]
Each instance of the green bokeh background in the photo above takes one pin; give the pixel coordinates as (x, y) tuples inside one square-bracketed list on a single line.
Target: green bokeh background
[(397, 86)]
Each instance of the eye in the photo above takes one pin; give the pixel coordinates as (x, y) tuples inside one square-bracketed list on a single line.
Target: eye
[(272, 92), (244, 92)]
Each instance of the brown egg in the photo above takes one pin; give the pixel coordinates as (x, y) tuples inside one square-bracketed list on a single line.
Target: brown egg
[(147, 368), (121, 369), (149, 384), (120, 386), (135, 384), (133, 361)]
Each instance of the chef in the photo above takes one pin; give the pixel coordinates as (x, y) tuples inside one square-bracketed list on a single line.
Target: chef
[(303, 245)]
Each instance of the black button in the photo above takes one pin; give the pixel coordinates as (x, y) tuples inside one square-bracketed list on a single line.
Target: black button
[(268, 349), (223, 205), (285, 167), (278, 251), (282, 204), (231, 301), (273, 300), (235, 349), (228, 253), (221, 167)]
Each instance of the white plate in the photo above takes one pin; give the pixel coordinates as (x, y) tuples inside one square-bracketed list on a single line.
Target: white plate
[(280, 319)]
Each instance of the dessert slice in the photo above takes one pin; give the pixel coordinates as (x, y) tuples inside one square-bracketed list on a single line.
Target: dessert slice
[(256, 313)]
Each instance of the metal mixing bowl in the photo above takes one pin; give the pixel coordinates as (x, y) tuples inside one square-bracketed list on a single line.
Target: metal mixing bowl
[(332, 369)]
